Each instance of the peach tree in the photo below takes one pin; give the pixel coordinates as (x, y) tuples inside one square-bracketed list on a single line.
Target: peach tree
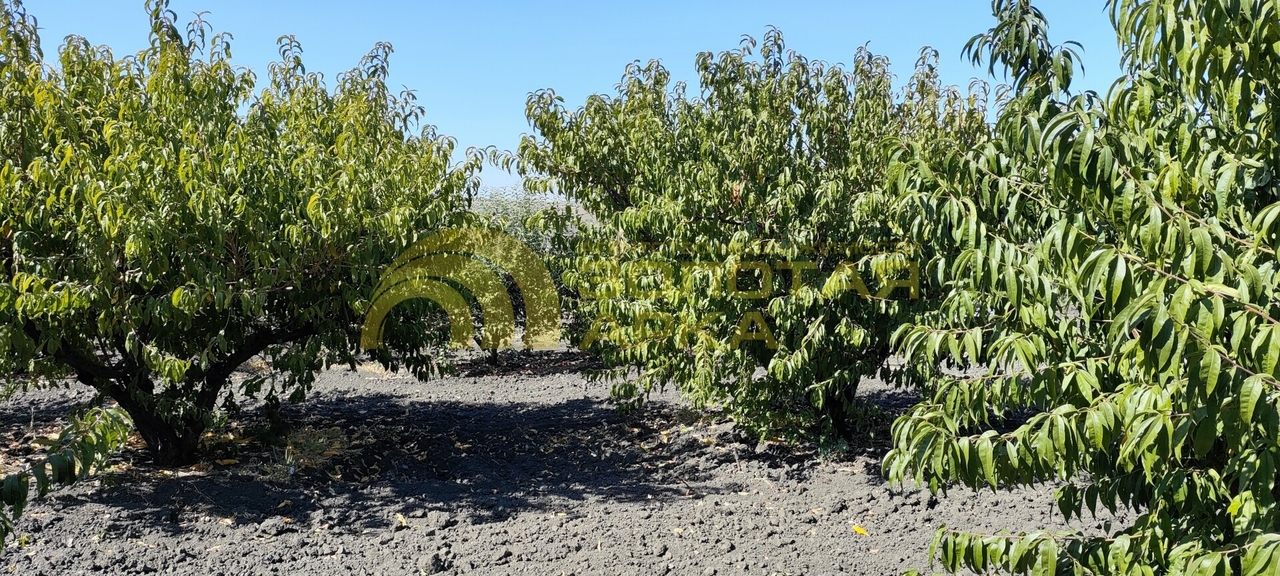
[(163, 221), (742, 243), (1111, 322)]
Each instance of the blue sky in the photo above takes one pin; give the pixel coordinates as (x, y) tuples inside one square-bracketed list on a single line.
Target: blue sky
[(474, 63)]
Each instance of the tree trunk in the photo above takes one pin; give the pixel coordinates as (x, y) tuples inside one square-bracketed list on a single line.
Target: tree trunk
[(836, 408), (170, 443), (171, 440)]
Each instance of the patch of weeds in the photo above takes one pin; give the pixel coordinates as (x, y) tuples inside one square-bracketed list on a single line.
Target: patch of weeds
[(305, 448), (687, 416), (833, 448), (254, 366), (227, 442)]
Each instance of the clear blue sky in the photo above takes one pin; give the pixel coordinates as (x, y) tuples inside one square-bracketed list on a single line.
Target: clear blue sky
[(474, 63)]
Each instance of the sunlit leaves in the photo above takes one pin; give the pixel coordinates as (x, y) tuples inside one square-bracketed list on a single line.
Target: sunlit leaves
[(1144, 370), (768, 173), (168, 215)]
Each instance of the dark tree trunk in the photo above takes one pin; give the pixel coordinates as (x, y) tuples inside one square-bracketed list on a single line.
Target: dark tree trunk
[(170, 443), (171, 440), (836, 408)]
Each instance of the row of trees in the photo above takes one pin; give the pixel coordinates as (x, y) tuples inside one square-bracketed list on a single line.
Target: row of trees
[(1101, 267)]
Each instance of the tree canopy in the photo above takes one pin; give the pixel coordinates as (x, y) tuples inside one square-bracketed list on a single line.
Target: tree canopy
[(163, 222), (1110, 264), (748, 226)]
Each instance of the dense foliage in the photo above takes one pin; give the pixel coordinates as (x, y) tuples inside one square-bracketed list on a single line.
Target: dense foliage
[(743, 246), (1097, 275), (162, 223), (1114, 282)]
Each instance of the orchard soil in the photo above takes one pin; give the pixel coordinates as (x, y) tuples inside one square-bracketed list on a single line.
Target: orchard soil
[(519, 466)]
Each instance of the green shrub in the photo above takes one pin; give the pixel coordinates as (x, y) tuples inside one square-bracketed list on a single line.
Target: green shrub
[(1116, 278), (779, 165), (161, 223)]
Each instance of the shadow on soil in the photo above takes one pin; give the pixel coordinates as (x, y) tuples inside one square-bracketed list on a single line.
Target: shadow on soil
[(355, 462), (473, 462)]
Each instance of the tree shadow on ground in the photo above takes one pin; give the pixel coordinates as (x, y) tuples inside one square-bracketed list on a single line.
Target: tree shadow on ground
[(355, 461), (449, 461), (44, 406)]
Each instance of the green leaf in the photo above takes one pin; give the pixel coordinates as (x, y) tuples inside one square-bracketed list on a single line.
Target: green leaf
[(13, 493), (1251, 391), (986, 456), (1205, 436)]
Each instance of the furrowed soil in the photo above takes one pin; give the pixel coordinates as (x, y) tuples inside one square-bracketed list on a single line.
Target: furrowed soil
[(522, 467)]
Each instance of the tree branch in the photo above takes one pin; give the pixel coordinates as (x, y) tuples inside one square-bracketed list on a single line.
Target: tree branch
[(88, 371), (219, 372)]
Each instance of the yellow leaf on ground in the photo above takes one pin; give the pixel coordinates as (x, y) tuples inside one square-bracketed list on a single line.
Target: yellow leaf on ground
[(858, 529)]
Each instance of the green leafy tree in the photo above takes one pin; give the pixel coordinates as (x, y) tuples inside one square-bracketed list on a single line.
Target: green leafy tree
[(775, 178), (1113, 291), (162, 223)]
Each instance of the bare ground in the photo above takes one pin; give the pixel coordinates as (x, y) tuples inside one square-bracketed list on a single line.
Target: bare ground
[(523, 468)]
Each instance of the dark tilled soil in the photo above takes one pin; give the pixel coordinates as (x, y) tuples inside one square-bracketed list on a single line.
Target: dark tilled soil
[(522, 468)]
